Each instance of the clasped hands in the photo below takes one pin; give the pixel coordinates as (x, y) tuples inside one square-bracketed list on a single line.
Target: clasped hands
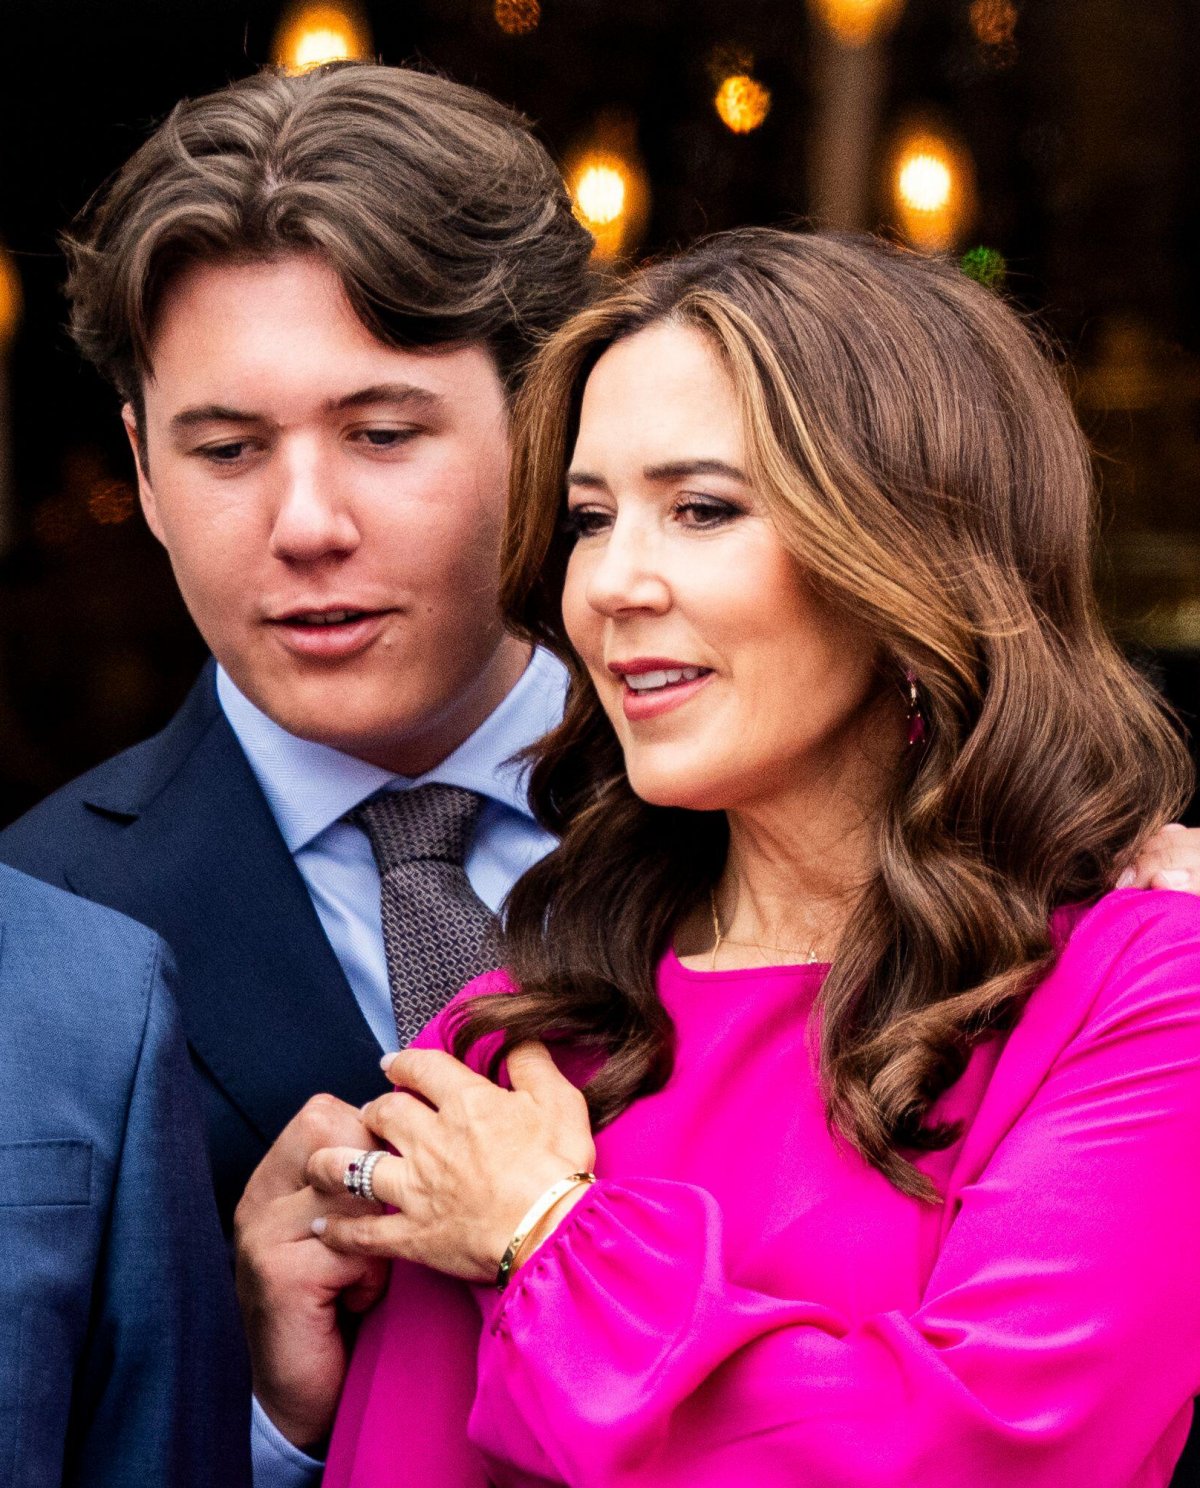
[(468, 1160)]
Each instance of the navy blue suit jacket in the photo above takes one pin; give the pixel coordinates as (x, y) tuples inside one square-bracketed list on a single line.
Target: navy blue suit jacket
[(177, 834), (121, 1355)]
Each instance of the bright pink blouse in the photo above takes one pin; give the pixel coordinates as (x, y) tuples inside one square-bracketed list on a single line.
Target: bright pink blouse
[(740, 1300)]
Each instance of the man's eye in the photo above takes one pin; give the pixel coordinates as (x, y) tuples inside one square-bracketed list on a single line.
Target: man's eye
[(385, 438), (585, 522), (225, 454)]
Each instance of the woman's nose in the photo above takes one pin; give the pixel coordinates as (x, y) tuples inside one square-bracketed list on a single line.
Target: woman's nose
[(629, 573)]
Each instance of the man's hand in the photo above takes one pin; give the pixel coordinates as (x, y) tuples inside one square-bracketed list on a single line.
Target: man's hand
[(1170, 860), (290, 1285)]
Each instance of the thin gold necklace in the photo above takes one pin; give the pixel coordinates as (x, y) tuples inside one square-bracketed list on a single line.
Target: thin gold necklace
[(720, 939)]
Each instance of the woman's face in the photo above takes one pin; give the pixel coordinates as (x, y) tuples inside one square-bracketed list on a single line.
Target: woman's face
[(727, 680)]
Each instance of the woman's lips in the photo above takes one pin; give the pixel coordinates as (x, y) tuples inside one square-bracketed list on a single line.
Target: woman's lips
[(640, 705), (330, 642)]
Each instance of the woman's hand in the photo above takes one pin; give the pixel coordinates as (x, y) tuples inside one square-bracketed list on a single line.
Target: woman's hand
[(1170, 860), (473, 1158)]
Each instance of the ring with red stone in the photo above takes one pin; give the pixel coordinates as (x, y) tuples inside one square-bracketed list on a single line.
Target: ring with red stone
[(355, 1169)]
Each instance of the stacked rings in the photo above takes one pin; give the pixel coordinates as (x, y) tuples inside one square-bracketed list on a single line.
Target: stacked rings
[(359, 1173)]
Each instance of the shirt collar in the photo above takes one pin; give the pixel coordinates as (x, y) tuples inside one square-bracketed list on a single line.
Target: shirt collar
[(310, 786)]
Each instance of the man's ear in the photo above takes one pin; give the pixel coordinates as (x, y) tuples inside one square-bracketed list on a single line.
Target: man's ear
[(145, 489)]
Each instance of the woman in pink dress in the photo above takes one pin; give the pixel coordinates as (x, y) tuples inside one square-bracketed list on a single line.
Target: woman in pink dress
[(884, 1169)]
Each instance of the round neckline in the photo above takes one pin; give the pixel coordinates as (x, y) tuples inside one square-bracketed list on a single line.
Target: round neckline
[(798, 969)]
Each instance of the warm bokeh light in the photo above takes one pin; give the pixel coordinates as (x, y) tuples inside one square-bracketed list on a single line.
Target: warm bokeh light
[(856, 22), (517, 17), (933, 190), (742, 102), (10, 298), (925, 182), (309, 35), (609, 189), (600, 193), (111, 502), (993, 21)]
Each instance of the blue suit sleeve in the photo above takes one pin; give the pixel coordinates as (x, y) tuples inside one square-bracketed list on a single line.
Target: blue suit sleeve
[(164, 1390)]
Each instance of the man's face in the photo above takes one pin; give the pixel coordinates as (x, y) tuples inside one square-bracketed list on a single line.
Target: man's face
[(332, 509)]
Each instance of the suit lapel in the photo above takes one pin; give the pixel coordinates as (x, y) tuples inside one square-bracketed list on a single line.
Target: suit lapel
[(264, 1001)]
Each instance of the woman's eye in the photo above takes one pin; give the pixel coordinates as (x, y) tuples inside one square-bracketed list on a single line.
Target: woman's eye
[(585, 522), (706, 511)]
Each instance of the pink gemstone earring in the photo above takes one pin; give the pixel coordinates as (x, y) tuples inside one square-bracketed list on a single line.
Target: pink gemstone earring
[(916, 718)]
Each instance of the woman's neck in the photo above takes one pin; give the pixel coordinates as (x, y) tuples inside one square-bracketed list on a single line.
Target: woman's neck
[(797, 862)]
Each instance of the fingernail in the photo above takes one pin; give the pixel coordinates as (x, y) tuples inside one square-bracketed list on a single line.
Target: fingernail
[(1174, 878), (319, 1226), (386, 1062), (1174, 827), (1126, 879)]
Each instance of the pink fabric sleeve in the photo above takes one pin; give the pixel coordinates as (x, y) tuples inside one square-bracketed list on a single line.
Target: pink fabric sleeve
[(1057, 1341)]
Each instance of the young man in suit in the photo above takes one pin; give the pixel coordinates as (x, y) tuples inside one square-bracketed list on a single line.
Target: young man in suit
[(315, 296), (121, 1355)]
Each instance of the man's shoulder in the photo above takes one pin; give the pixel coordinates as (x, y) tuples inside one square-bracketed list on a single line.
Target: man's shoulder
[(71, 968), (108, 795)]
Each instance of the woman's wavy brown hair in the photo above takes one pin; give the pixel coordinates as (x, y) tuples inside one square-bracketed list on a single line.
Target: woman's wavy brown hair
[(920, 458)]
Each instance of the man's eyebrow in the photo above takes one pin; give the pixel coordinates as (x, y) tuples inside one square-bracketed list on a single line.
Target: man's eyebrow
[(387, 392), (395, 393), (213, 413)]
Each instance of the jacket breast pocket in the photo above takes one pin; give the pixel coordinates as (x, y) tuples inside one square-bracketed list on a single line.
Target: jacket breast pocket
[(49, 1174)]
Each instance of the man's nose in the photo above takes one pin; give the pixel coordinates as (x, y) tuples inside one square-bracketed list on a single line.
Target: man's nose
[(314, 516)]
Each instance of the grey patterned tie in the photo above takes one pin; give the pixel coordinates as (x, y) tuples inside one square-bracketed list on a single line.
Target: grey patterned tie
[(437, 932)]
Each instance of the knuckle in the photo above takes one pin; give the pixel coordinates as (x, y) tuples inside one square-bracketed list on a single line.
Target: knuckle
[(360, 1233), (316, 1117)]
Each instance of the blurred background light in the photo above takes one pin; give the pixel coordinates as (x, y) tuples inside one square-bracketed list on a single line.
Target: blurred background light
[(924, 181), (111, 502), (309, 35), (600, 192), (10, 298), (742, 102), (933, 189), (987, 266), (10, 316), (609, 186), (517, 17), (855, 23), (993, 21)]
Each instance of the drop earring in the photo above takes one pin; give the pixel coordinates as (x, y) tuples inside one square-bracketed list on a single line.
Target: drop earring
[(916, 718)]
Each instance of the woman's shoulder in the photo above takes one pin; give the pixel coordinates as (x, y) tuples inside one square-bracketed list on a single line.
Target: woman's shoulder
[(1125, 917), (1132, 947), (439, 1033)]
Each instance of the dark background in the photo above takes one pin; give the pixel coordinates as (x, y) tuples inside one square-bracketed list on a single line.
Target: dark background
[(1084, 133)]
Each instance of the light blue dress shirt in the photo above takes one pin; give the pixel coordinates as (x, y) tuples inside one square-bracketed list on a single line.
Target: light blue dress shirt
[(309, 789)]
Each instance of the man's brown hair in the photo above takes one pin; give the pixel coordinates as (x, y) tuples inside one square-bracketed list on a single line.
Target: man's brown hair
[(442, 215)]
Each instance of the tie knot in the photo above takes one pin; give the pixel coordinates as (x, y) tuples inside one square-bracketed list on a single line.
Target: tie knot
[(431, 823)]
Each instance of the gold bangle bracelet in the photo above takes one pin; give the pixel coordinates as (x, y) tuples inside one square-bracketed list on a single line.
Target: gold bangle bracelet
[(532, 1217)]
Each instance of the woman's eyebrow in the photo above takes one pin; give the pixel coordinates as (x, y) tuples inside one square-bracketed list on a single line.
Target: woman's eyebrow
[(583, 480), (674, 470), (678, 469)]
